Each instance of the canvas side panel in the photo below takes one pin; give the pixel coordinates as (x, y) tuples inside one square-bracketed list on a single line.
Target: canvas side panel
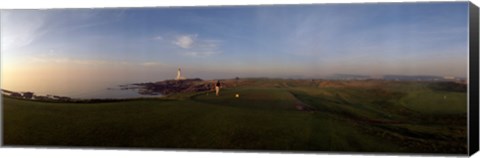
[(473, 79)]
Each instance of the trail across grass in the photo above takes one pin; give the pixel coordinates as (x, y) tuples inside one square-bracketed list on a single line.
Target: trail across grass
[(265, 116)]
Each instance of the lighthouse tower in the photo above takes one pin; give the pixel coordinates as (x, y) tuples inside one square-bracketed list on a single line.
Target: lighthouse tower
[(179, 75)]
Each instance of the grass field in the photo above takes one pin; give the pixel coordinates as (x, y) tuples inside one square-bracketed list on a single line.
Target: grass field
[(270, 114)]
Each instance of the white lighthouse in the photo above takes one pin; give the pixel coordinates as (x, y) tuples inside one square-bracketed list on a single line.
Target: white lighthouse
[(179, 75)]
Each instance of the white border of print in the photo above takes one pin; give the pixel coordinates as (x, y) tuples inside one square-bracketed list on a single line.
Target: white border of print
[(82, 153)]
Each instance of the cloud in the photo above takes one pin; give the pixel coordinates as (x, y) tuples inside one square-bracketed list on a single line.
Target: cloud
[(192, 45), (158, 37), (56, 59), (185, 41), (200, 53), (21, 29), (151, 64), (66, 60)]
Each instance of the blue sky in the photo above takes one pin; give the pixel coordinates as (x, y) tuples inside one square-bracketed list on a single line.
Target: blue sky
[(145, 44)]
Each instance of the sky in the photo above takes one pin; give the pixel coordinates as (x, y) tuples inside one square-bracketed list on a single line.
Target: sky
[(57, 50)]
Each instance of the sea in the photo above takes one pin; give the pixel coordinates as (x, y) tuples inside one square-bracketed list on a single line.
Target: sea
[(113, 93)]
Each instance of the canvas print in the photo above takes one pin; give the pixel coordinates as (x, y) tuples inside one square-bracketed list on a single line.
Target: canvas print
[(373, 77)]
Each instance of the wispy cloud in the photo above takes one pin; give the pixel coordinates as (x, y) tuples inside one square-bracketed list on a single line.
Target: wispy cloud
[(159, 37), (152, 64), (200, 53), (52, 57), (58, 60), (20, 30), (66, 60), (192, 45)]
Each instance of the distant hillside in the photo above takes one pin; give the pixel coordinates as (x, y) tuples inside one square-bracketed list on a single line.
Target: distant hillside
[(412, 78)]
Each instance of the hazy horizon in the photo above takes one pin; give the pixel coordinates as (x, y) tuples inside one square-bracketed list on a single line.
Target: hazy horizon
[(61, 51)]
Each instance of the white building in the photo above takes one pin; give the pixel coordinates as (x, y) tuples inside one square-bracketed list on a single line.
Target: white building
[(179, 75)]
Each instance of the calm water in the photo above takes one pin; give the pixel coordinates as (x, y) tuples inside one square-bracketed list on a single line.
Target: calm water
[(112, 93), (91, 88)]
